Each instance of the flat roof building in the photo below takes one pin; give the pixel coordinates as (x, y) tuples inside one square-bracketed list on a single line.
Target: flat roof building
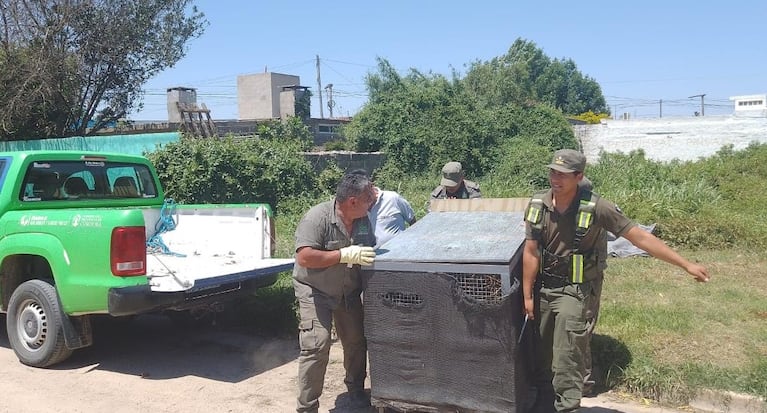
[(750, 105)]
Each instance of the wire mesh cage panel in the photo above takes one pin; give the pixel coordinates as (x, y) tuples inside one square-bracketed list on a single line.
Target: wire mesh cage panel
[(443, 339)]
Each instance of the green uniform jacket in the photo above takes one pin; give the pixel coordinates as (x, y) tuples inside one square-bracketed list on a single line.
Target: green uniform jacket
[(468, 189), (558, 232), (322, 229)]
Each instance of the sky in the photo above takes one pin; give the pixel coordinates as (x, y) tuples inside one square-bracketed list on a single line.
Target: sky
[(651, 58)]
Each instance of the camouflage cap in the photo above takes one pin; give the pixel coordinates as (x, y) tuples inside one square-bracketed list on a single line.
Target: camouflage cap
[(452, 174), (568, 161)]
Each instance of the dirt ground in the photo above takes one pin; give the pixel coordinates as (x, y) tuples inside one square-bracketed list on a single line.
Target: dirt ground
[(151, 364)]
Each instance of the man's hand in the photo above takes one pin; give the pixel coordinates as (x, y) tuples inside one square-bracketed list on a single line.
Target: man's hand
[(355, 254), (699, 272), (529, 308)]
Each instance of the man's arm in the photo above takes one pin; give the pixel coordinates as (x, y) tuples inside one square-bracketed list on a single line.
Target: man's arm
[(406, 210), (309, 257), (658, 249), (530, 264)]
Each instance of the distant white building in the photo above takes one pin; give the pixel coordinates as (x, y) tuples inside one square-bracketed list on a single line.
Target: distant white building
[(666, 139), (750, 105)]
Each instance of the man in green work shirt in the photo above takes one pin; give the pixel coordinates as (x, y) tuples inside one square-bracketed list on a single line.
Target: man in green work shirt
[(564, 227), (332, 240), (453, 184)]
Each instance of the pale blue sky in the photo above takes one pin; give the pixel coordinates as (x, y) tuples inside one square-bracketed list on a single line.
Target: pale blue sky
[(638, 51)]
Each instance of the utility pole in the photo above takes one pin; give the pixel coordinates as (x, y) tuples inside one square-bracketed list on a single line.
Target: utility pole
[(319, 87), (331, 102), (661, 108), (702, 106)]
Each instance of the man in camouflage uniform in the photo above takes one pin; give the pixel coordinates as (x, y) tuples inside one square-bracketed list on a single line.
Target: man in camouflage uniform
[(332, 240), (453, 184), (563, 255)]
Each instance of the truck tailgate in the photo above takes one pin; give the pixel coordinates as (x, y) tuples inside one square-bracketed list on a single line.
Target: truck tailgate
[(171, 273), (211, 246)]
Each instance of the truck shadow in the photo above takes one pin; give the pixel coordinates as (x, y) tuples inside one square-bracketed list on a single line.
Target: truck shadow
[(154, 347)]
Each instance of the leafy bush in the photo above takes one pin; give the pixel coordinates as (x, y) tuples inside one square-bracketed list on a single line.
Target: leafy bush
[(338, 145), (710, 203), (520, 170), (227, 171), (544, 126)]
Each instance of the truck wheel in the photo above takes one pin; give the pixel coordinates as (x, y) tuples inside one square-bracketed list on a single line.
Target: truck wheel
[(34, 325)]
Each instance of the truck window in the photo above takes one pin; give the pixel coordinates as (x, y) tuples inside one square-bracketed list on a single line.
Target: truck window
[(80, 185), (124, 182), (3, 169), (82, 180)]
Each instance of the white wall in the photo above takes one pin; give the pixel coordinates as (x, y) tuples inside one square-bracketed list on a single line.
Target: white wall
[(666, 139)]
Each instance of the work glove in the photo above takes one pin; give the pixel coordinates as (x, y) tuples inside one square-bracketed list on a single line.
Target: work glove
[(356, 254)]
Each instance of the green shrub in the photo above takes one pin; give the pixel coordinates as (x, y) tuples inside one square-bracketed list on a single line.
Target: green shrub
[(338, 145), (709, 203), (247, 170)]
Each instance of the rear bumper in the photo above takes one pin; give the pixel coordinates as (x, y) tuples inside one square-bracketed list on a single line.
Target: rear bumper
[(141, 299)]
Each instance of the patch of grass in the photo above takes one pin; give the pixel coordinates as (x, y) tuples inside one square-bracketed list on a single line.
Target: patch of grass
[(683, 335), (711, 203)]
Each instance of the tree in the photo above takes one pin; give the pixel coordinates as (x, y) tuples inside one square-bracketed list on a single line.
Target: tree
[(74, 66), (423, 120), (420, 120), (526, 75)]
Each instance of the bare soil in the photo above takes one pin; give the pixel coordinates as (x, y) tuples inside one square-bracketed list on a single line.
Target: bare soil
[(151, 364)]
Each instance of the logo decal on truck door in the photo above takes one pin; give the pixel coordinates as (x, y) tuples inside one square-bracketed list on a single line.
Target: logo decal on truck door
[(86, 221), (28, 220)]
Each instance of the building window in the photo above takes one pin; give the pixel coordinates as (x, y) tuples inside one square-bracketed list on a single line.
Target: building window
[(327, 128)]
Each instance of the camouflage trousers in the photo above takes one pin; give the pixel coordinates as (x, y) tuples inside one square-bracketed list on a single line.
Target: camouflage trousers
[(315, 326), (592, 316), (566, 320)]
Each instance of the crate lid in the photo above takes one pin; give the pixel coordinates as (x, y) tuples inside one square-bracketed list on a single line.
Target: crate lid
[(458, 237)]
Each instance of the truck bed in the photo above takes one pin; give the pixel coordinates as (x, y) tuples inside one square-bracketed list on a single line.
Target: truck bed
[(212, 246)]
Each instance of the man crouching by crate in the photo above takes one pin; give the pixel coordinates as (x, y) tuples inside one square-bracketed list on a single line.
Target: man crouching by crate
[(333, 240)]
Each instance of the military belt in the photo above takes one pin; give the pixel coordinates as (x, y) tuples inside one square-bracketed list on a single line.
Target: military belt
[(549, 280)]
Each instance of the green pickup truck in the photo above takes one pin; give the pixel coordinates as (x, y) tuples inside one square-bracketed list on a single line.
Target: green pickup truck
[(92, 233)]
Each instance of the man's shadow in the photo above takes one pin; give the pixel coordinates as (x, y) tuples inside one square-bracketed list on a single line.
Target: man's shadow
[(610, 358), (343, 402)]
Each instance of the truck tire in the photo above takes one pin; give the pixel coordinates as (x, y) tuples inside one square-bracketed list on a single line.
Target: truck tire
[(34, 325)]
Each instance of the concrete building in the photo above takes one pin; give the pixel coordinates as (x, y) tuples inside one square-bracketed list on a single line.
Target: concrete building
[(260, 95), (186, 96), (750, 105)]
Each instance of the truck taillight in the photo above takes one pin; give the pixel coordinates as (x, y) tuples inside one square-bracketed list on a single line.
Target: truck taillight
[(128, 251)]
